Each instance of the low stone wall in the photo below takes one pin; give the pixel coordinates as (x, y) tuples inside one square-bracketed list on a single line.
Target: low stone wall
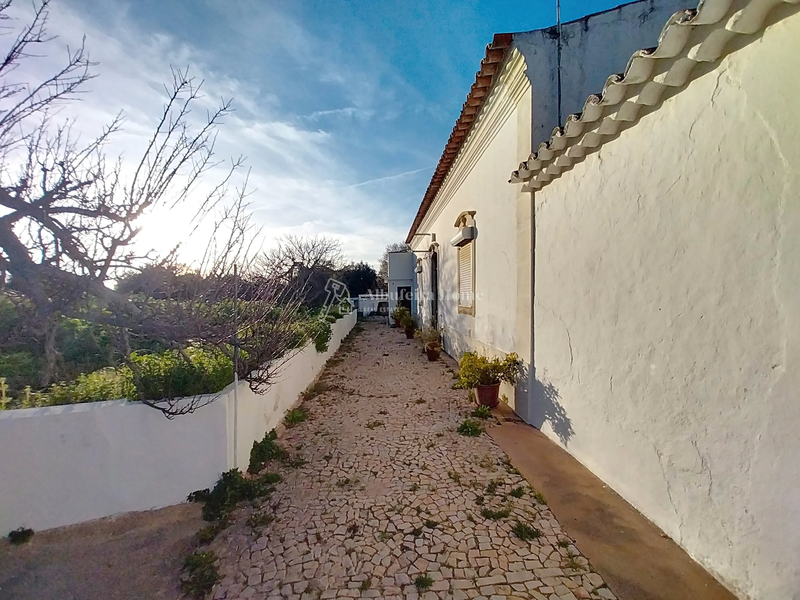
[(68, 464)]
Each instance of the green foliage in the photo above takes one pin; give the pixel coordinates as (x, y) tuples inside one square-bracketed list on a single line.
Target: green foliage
[(105, 384), (170, 375), (495, 515), (525, 532), (19, 369), (200, 574), (430, 337), (295, 417), (482, 412), (232, 488), (408, 322), (264, 451), (476, 369), (423, 582), (400, 313), (517, 492), (20, 536), (470, 428), (318, 331), (315, 389)]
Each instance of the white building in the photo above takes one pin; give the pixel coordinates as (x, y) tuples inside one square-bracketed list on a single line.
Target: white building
[(644, 262), (402, 280)]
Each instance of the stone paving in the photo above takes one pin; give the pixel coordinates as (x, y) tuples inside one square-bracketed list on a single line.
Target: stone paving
[(391, 496)]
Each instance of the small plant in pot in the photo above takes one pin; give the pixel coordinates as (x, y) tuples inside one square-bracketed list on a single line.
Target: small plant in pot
[(398, 314), (431, 342), (485, 375), (409, 324)]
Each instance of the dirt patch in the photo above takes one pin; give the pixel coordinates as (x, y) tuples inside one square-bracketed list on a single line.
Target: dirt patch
[(134, 556)]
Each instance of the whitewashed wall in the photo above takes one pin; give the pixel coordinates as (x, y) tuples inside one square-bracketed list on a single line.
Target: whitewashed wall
[(667, 315), (67, 464), (593, 47), (478, 181)]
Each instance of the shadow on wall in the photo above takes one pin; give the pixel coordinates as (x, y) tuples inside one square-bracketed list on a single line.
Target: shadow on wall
[(543, 406)]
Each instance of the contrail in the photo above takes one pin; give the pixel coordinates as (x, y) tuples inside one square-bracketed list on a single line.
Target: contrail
[(398, 176)]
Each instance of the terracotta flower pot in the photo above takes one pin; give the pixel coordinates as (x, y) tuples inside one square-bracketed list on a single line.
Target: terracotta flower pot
[(433, 352), (488, 395), (410, 333)]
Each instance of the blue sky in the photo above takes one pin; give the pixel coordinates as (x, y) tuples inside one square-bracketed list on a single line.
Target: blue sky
[(342, 106)]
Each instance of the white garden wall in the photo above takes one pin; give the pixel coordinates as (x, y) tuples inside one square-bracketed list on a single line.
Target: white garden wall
[(667, 315), (67, 464)]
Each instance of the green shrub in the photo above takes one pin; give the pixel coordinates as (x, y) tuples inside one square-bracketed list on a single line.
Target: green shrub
[(169, 375), (264, 451), (295, 417), (232, 488), (20, 536), (200, 574), (105, 384), (475, 369), (470, 428), (19, 369)]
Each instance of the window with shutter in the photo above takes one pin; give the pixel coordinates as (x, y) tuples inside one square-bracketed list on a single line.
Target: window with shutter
[(466, 301)]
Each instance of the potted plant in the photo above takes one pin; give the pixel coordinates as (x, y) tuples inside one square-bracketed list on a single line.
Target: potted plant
[(431, 342), (409, 324), (485, 374), (398, 314)]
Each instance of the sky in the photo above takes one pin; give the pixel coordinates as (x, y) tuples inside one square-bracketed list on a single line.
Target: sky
[(342, 107)]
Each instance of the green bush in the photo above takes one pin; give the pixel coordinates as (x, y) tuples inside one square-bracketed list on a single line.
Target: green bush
[(19, 369), (105, 384), (169, 375), (200, 575), (20, 536), (264, 451), (232, 488)]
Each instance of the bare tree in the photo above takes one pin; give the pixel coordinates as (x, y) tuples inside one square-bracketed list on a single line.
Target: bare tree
[(383, 265), (304, 264), (69, 218)]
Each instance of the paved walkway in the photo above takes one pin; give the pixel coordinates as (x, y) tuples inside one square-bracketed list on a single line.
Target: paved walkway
[(391, 496)]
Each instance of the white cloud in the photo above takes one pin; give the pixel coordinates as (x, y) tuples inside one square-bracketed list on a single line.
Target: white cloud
[(301, 181)]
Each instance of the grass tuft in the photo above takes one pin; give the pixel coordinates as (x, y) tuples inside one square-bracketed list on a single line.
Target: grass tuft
[(525, 532), (423, 582), (495, 515), (470, 428), (295, 417)]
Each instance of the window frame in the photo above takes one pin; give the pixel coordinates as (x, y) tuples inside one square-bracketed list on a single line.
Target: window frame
[(463, 309)]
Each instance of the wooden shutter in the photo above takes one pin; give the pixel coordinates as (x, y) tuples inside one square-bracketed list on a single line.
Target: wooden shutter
[(465, 258)]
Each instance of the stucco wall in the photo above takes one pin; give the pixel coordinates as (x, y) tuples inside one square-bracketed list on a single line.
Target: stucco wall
[(593, 48), (667, 315), (67, 464), (478, 181)]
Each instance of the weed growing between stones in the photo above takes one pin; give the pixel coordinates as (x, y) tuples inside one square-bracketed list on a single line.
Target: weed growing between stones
[(495, 515), (525, 532), (264, 451), (517, 492), (200, 574), (295, 417), (423, 582), (470, 428), (482, 412), (563, 543), (539, 497), (374, 424), (231, 489)]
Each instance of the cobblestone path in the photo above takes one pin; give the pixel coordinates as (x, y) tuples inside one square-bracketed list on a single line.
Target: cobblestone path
[(393, 503)]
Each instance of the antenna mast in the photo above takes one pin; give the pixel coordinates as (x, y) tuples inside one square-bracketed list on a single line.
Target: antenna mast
[(558, 24)]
